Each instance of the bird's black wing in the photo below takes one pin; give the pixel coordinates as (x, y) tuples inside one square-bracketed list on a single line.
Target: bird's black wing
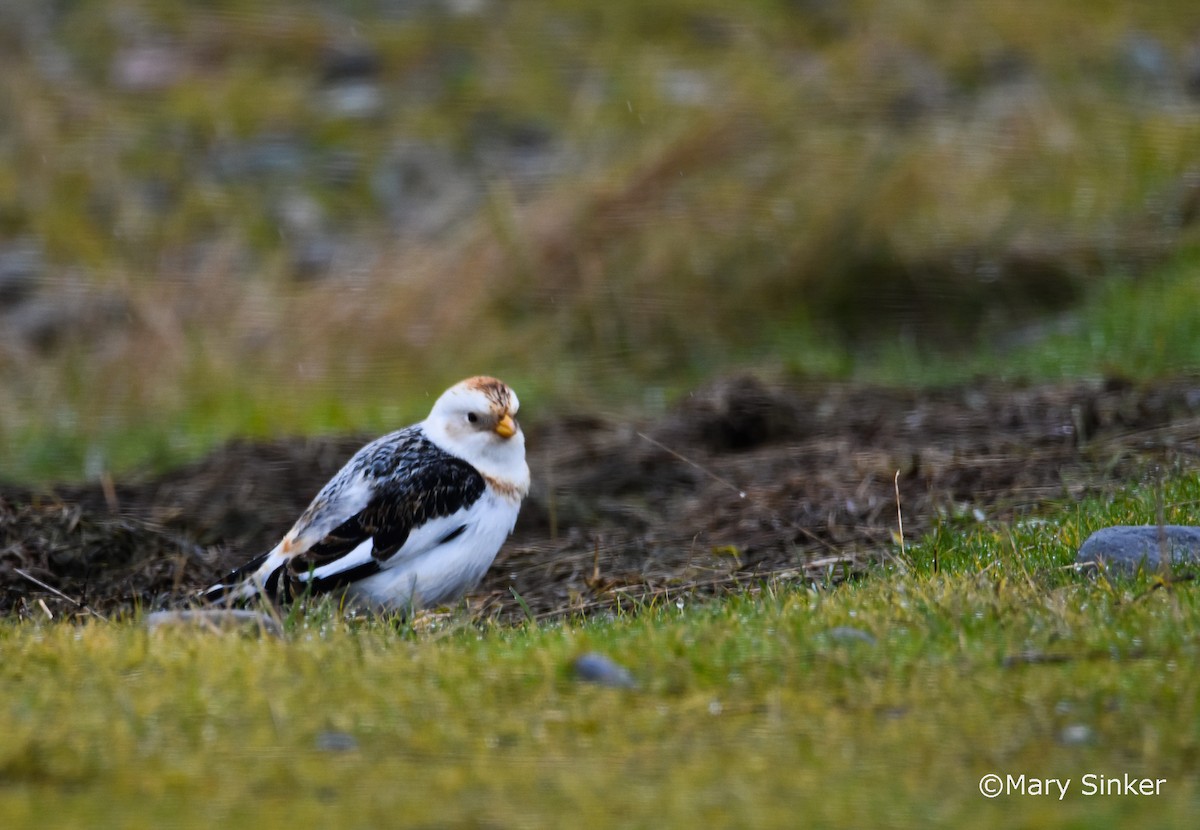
[(412, 481)]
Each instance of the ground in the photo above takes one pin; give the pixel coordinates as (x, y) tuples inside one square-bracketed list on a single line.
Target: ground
[(739, 480)]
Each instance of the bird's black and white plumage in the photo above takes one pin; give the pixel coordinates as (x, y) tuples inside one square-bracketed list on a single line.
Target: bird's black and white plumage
[(414, 519)]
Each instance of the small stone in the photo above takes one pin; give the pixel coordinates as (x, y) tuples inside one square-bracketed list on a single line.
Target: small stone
[(350, 80), (21, 266), (1146, 58), (147, 67), (1128, 548), (216, 620), (850, 634), (353, 99), (350, 62), (1191, 70), (424, 189), (1077, 734), (596, 668), (336, 742)]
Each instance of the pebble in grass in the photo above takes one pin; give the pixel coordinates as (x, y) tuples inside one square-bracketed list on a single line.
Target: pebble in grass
[(1127, 548), (331, 741), (596, 668), (1076, 734), (215, 620), (850, 634)]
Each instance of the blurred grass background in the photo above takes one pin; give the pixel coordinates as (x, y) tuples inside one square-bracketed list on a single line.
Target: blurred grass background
[(234, 218)]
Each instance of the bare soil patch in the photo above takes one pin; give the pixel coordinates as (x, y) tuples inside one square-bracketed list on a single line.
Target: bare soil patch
[(740, 481)]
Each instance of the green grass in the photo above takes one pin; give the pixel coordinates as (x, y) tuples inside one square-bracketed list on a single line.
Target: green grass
[(1129, 328), (751, 711)]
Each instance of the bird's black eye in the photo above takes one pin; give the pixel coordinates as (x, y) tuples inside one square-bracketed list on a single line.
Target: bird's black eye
[(472, 417)]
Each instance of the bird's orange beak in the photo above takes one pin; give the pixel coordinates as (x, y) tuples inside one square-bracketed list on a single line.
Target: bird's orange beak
[(506, 427)]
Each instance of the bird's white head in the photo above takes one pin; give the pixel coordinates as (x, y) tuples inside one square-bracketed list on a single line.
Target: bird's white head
[(475, 420)]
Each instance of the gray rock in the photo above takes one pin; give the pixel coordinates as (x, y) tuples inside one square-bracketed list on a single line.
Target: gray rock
[(331, 741), (850, 634), (596, 668), (1145, 58), (1076, 734), (147, 67), (21, 266), (350, 83), (1191, 70), (279, 156), (215, 620), (349, 62), (352, 99), (1126, 548), (424, 189), (68, 311), (525, 153)]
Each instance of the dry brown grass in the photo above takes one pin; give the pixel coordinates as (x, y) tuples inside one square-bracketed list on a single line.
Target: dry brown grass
[(784, 188)]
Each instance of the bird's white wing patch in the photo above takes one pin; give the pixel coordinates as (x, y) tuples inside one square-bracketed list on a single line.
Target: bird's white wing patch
[(338, 501), (361, 555), (420, 540)]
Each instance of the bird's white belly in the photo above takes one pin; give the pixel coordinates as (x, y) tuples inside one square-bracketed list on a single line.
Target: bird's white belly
[(443, 572)]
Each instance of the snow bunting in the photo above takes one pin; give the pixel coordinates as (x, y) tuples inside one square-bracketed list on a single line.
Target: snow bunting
[(414, 519)]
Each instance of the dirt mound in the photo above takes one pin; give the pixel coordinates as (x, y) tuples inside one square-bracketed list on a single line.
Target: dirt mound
[(740, 480)]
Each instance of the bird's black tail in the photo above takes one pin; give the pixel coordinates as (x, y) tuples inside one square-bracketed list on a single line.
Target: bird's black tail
[(237, 588)]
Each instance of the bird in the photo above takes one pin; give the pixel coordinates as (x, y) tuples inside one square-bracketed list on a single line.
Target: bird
[(412, 521)]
